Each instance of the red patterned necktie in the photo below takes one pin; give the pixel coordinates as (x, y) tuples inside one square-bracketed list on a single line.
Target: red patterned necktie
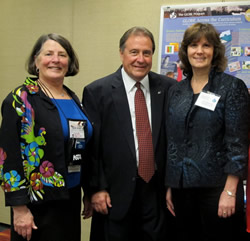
[(145, 144)]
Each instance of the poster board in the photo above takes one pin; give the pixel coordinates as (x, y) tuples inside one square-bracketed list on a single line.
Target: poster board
[(232, 21)]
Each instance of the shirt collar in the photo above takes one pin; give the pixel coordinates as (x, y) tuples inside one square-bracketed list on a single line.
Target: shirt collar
[(130, 83)]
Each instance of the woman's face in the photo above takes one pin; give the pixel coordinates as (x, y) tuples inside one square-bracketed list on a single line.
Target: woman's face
[(200, 54), (52, 61)]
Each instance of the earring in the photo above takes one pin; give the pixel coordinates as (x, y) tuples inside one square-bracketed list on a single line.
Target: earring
[(37, 70)]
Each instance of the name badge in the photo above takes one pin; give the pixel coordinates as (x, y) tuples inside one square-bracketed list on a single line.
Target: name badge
[(74, 168), (207, 100), (76, 129)]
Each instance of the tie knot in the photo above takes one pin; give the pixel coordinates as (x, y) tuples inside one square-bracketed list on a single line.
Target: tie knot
[(138, 85)]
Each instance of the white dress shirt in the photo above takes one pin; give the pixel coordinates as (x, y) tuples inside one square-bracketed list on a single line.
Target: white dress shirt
[(130, 88)]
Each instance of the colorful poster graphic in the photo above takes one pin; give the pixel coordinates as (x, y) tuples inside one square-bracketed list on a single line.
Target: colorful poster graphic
[(232, 21)]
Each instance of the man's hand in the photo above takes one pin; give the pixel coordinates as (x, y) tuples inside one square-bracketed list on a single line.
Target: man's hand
[(101, 202)]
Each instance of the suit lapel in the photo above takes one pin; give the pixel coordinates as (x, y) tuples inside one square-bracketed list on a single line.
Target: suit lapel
[(157, 99), (122, 109)]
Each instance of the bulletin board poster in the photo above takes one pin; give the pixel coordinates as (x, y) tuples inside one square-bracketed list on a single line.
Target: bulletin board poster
[(232, 21)]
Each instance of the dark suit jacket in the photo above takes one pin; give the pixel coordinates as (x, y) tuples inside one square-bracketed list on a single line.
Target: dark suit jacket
[(113, 154), (205, 146)]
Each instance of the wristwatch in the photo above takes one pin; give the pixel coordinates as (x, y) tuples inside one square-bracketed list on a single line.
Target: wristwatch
[(229, 193)]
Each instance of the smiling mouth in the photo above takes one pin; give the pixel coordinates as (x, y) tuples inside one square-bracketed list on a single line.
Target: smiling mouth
[(56, 68), (199, 60), (140, 67)]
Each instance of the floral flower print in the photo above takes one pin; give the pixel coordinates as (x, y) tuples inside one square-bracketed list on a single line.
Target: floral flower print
[(2, 156), (36, 182), (6, 187), (33, 88), (33, 153), (47, 169), (36, 173), (13, 179), (31, 85)]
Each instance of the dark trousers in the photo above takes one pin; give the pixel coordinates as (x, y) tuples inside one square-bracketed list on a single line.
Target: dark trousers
[(197, 217), (56, 220), (145, 220)]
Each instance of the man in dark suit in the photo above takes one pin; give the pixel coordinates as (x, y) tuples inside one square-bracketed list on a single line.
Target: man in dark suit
[(127, 206)]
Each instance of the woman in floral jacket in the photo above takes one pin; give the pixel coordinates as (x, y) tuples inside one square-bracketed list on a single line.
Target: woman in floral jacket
[(43, 136)]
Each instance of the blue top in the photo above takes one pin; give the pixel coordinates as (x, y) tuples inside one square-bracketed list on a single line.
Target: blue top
[(68, 109)]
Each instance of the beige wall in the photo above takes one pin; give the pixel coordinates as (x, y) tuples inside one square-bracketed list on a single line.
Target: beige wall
[(94, 27)]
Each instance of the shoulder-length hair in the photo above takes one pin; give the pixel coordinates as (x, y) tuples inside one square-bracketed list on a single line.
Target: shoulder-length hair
[(193, 34), (73, 68)]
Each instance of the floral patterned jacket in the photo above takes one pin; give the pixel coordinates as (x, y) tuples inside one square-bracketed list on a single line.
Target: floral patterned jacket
[(204, 146), (32, 162)]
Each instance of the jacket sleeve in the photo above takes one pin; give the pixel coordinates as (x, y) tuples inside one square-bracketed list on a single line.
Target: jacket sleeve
[(236, 129), (12, 174)]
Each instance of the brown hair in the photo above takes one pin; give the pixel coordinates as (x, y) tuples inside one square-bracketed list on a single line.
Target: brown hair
[(193, 34), (73, 60)]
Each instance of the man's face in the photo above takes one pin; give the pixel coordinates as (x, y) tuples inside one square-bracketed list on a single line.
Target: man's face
[(137, 56)]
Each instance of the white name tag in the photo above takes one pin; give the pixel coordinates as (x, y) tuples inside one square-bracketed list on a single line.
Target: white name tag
[(76, 129), (207, 100)]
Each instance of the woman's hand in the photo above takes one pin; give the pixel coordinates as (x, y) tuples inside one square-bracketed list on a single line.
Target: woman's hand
[(23, 221), (226, 207), (169, 202), (227, 202), (87, 208)]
